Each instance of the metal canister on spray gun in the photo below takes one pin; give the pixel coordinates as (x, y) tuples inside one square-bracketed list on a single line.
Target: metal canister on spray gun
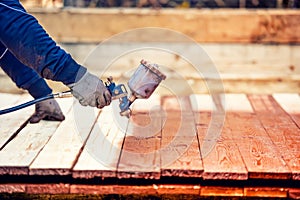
[(142, 84)]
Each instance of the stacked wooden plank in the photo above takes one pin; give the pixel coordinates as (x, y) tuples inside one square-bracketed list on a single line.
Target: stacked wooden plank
[(203, 145)]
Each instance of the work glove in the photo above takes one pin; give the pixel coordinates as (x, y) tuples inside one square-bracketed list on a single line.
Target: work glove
[(47, 110), (90, 90)]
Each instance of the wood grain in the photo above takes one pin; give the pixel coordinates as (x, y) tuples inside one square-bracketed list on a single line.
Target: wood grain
[(140, 157), (281, 128), (113, 189), (102, 151), (62, 150), (221, 157), (269, 192), (261, 156), (180, 152), (223, 26), (16, 157), (291, 104), (178, 189), (10, 123), (221, 191)]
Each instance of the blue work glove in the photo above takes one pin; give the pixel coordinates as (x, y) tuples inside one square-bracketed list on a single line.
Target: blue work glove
[(90, 90)]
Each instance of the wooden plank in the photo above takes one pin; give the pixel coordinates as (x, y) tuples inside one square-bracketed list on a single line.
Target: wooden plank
[(281, 128), (170, 189), (146, 106), (113, 189), (291, 104), (269, 192), (140, 153), (48, 188), (221, 157), (10, 123), (140, 156), (62, 150), (221, 191), (12, 188), (261, 157), (102, 151), (294, 193), (17, 155), (179, 151), (8, 100), (219, 25)]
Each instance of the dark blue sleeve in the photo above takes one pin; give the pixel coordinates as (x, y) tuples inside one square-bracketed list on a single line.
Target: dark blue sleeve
[(26, 39), (23, 76)]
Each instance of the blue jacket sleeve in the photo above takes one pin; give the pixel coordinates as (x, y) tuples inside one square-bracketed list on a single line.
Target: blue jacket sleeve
[(26, 39), (23, 76)]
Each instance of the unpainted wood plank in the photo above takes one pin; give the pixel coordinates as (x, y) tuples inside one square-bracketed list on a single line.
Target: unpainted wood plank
[(179, 150), (291, 104), (221, 157), (17, 155), (8, 100), (10, 123), (146, 106), (62, 150), (281, 128), (140, 156), (260, 155), (101, 153), (215, 26)]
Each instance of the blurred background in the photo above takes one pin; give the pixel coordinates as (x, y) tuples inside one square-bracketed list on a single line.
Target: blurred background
[(253, 44), (165, 3)]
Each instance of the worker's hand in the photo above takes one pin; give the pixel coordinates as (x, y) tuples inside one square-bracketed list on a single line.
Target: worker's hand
[(47, 110), (90, 90)]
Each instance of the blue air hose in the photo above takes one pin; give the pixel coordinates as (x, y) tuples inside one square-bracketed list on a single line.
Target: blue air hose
[(29, 103)]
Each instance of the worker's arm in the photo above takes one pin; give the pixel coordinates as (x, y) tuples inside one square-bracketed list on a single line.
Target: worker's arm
[(25, 38)]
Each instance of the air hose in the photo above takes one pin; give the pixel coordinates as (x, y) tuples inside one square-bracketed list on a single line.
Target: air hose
[(29, 103)]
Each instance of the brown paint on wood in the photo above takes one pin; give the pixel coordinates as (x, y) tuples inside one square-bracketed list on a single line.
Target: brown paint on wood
[(140, 157), (294, 193), (281, 128), (12, 188), (261, 157), (177, 189), (265, 192), (60, 188), (221, 191), (112, 189), (180, 153), (221, 156)]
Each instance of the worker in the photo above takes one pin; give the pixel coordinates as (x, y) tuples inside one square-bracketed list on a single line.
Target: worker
[(28, 79), (22, 38)]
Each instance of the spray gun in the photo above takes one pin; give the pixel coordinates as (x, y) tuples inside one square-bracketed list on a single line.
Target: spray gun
[(142, 84)]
